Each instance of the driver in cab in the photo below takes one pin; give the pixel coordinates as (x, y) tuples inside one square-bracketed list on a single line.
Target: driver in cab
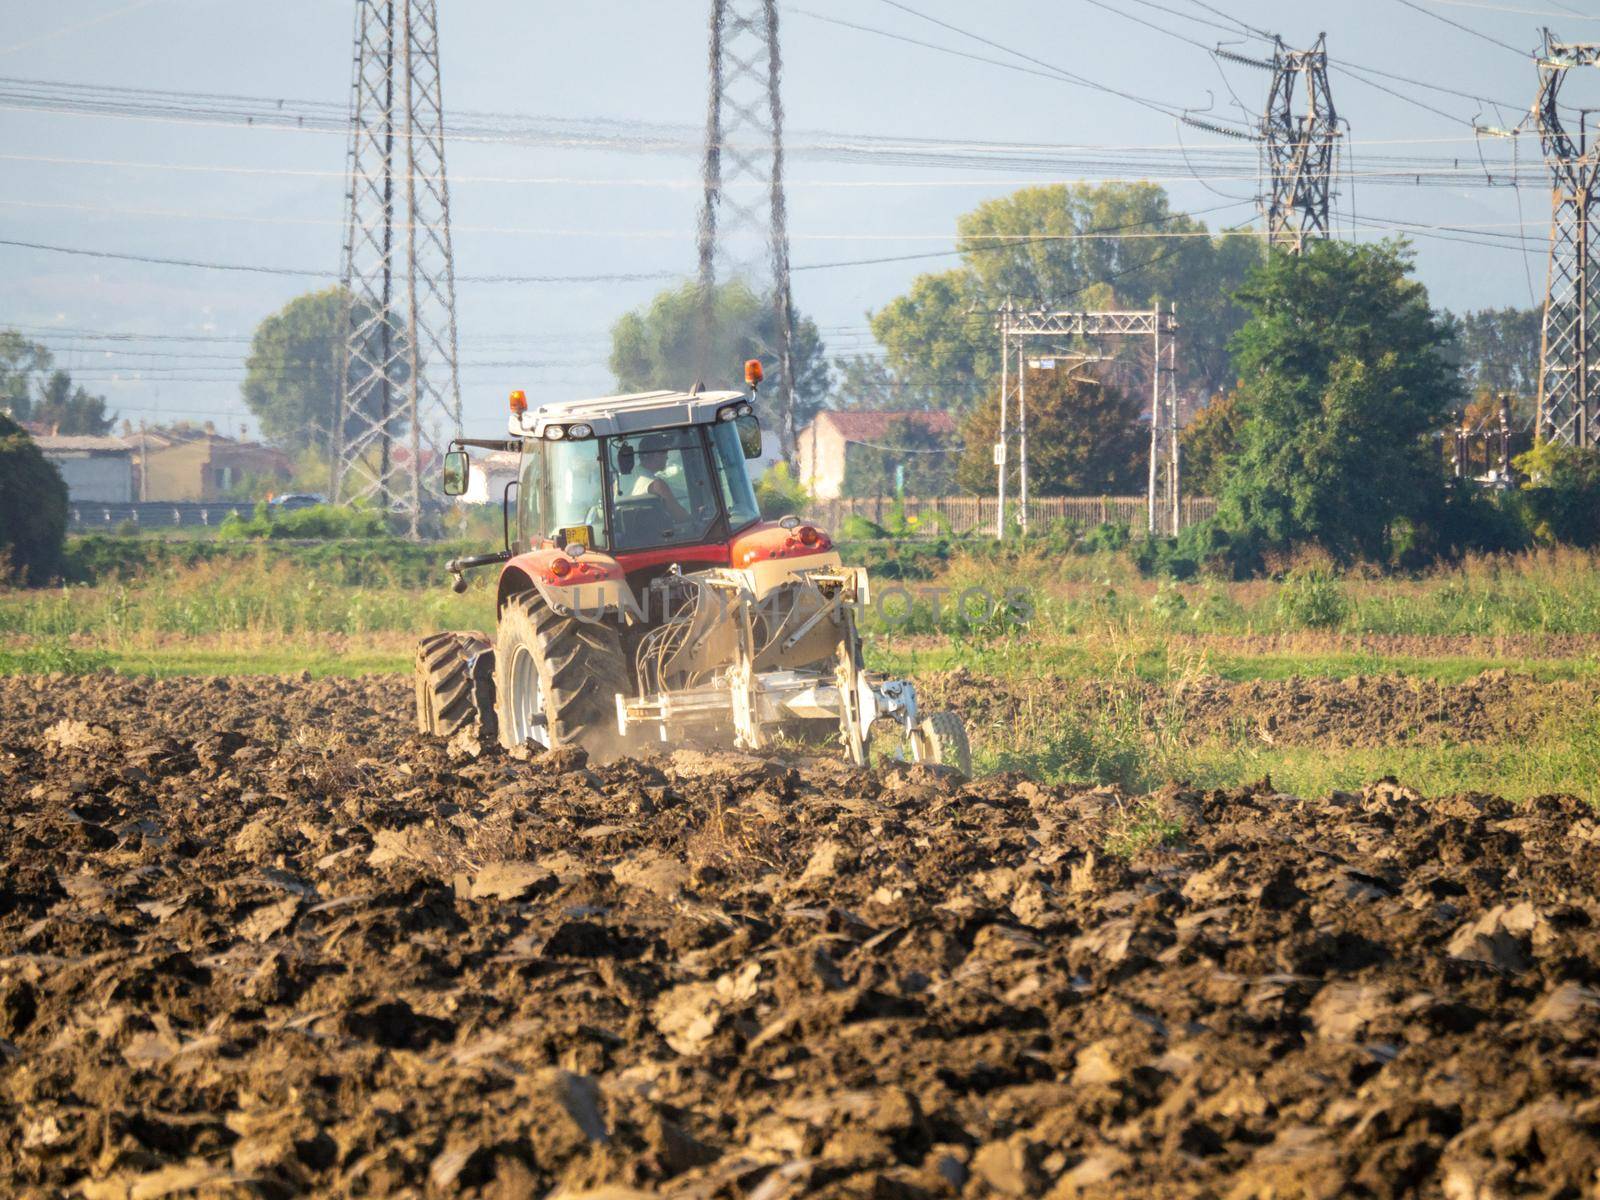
[(647, 479)]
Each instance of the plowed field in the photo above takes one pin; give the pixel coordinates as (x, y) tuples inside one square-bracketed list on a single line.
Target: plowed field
[(258, 938)]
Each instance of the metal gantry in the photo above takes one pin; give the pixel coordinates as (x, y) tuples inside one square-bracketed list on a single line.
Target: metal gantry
[(401, 387), (743, 230), (1299, 150), (1018, 326), (1569, 358)]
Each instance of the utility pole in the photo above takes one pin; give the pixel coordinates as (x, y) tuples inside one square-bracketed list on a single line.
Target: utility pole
[(1569, 355), (1022, 437), (1000, 447), (747, 238), (400, 367), (1299, 150)]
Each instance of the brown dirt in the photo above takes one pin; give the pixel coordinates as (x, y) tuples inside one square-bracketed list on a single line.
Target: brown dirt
[(257, 938), (1361, 711)]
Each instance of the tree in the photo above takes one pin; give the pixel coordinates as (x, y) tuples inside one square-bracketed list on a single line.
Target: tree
[(1206, 442), (1085, 438), (33, 508), (862, 383), (292, 380), (1077, 246), (21, 363), (1344, 379), (938, 341), (32, 389), (907, 456), (657, 346), (67, 408), (1498, 350)]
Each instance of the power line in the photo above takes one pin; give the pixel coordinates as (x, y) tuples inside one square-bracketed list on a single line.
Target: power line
[(1349, 73), (1026, 240), (1566, 13), (1464, 28), (1250, 29), (202, 264)]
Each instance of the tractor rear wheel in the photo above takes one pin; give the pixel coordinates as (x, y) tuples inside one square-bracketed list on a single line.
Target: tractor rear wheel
[(941, 738), (453, 689), (557, 679)]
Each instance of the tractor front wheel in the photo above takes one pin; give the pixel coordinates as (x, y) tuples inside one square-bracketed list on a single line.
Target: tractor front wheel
[(557, 679)]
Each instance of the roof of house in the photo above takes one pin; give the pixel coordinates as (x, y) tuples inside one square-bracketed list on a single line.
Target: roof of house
[(868, 425), (63, 443)]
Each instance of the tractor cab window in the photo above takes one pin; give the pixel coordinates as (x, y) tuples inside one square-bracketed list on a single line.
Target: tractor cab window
[(738, 496), (561, 492), (661, 490)]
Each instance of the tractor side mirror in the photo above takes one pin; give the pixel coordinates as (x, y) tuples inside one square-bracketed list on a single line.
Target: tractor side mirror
[(457, 470), (749, 435), (625, 459)]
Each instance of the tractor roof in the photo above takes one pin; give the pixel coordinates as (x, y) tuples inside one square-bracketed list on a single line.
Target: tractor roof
[(636, 413)]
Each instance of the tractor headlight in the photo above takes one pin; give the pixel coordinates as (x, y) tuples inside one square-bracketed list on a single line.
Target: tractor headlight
[(728, 414), (554, 433), (745, 410), (580, 431)]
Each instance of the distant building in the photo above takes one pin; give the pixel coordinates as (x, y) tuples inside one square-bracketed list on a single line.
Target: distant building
[(191, 464), (825, 445), (96, 469), (491, 472)]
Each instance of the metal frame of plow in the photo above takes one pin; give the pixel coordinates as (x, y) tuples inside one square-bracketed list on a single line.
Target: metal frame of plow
[(753, 702), (1569, 356), (399, 377), (744, 150), (1165, 493)]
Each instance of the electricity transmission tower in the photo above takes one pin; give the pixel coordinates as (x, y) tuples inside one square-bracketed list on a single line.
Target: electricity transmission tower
[(1298, 150), (400, 377), (744, 229), (1569, 359)]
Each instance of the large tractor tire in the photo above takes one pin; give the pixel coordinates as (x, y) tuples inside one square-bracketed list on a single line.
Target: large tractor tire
[(941, 739), (557, 679), (454, 687)]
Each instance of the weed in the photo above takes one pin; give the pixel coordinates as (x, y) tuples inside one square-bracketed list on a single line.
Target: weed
[(1143, 827), (51, 657), (1312, 598)]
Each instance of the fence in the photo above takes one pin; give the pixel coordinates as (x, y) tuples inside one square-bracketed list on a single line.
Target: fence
[(976, 514), (153, 514)]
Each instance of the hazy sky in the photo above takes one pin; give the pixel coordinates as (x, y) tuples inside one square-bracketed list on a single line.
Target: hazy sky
[(273, 197)]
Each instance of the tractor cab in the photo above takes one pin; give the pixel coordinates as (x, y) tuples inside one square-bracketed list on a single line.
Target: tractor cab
[(599, 484)]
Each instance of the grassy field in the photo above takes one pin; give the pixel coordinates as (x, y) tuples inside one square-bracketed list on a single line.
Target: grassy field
[(1073, 618)]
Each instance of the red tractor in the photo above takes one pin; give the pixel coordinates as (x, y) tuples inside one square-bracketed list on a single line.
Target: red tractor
[(642, 597)]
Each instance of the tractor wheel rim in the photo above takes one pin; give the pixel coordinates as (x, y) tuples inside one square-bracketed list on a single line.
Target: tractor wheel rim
[(527, 701)]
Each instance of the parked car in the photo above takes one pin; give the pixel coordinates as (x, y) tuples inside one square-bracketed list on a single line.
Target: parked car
[(296, 500)]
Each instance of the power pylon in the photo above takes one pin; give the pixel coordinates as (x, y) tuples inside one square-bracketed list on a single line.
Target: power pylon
[(739, 237), (1569, 357), (400, 379), (1298, 150)]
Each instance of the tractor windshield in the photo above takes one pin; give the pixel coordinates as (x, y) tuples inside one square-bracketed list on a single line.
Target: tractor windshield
[(661, 491), (738, 496), (639, 492)]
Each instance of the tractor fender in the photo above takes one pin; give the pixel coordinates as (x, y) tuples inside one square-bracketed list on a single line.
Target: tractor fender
[(593, 586), (772, 553)]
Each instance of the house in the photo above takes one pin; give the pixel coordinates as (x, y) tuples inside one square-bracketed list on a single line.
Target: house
[(824, 446), (195, 464), (96, 469), (490, 475)]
